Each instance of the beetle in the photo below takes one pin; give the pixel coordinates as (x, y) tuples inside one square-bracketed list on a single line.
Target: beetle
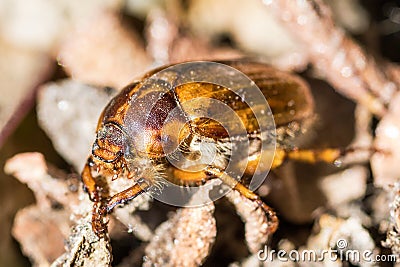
[(130, 147)]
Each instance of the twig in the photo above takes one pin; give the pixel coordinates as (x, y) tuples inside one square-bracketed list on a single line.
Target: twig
[(335, 55)]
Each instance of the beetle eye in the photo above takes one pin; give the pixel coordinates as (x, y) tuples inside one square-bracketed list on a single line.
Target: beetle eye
[(111, 135)]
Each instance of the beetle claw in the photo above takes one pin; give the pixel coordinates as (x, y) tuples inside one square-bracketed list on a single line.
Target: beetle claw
[(99, 219)]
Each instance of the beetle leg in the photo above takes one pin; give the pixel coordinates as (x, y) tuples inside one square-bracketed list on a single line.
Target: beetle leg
[(99, 220), (329, 155), (244, 191), (101, 209), (89, 182), (128, 194)]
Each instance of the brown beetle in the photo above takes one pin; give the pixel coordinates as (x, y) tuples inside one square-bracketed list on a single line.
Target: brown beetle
[(131, 147)]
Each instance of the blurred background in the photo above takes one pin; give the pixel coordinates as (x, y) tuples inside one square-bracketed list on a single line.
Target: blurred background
[(109, 43)]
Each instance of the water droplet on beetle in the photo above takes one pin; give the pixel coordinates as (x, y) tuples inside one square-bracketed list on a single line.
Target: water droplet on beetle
[(338, 163)]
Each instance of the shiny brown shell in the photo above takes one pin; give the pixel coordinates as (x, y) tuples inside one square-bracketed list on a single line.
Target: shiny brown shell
[(288, 96)]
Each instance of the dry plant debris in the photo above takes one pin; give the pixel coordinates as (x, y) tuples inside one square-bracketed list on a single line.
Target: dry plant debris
[(334, 55), (387, 139), (99, 50), (184, 240), (49, 218), (84, 248), (256, 223), (31, 69), (342, 235), (393, 234), (122, 59), (60, 116)]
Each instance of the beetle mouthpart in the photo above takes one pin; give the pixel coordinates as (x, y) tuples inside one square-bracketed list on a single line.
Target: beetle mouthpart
[(105, 156)]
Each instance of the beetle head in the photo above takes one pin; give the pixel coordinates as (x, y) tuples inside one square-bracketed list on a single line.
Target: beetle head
[(111, 151), (109, 145)]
